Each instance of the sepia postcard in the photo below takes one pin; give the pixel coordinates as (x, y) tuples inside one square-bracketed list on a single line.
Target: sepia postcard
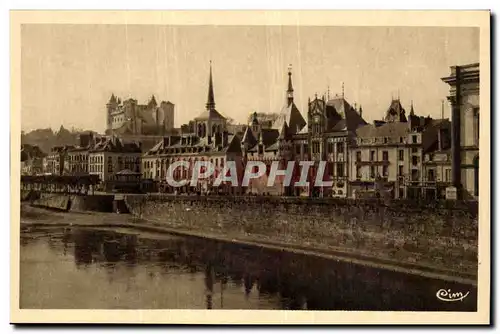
[(250, 167)]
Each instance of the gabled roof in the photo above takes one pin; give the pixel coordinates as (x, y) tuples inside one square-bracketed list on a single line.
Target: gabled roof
[(351, 119), (396, 112), (115, 144), (290, 115), (267, 137), (249, 138)]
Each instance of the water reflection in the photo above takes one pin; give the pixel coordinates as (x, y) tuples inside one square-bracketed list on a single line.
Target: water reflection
[(124, 270)]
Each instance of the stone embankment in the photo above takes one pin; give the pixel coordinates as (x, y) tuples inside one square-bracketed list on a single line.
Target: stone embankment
[(69, 202), (442, 235)]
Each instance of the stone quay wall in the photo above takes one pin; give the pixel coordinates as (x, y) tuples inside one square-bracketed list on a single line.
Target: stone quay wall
[(440, 234)]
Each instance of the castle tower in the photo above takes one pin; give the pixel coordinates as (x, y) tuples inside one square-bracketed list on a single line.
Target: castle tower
[(110, 107)]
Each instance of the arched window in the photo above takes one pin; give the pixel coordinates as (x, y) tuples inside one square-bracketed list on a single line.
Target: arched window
[(203, 130), (214, 129), (476, 176), (200, 130)]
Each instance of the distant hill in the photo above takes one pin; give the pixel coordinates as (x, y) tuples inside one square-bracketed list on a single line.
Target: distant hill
[(45, 139)]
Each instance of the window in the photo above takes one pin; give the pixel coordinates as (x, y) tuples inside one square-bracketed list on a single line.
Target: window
[(372, 155), (330, 148), (476, 126), (372, 172), (414, 139), (306, 149), (414, 175), (358, 156), (358, 172), (414, 160), (430, 175), (316, 147), (385, 171), (400, 171), (476, 175), (401, 192), (110, 165), (401, 155), (414, 150), (261, 149), (297, 149), (385, 155), (431, 157), (385, 140), (340, 147), (340, 170)]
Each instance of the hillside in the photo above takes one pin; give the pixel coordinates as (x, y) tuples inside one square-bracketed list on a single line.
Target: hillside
[(45, 139)]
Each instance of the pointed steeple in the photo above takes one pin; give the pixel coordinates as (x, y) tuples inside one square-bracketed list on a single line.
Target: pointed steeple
[(289, 92), (152, 103), (112, 100), (412, 112), (210, 100), (360, 110)]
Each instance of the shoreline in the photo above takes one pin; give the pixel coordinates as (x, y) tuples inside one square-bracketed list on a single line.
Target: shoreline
[(128, 221)]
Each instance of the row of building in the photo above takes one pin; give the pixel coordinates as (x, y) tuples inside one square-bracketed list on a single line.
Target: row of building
[(402, 155)]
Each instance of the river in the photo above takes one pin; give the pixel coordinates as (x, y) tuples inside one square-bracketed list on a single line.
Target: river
[(88, 268)]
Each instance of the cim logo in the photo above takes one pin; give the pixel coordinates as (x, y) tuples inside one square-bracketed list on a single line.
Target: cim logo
[(448, 296)]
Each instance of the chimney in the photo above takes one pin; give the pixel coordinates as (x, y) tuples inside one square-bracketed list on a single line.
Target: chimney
[(440, 139)]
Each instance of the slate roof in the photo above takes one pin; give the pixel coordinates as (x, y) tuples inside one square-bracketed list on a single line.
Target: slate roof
[(268, 137), (209, 114), (115, 144), (396, 112), (392, 129), (290, 115), (351, 119), (174, 142), (249, 137), (430, 135)]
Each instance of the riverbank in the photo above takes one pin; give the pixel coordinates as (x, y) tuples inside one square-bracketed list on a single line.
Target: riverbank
[(389, 259)]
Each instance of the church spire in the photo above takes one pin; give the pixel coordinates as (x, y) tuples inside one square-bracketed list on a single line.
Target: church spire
[(412, 112), (289, 92), (211, 100)]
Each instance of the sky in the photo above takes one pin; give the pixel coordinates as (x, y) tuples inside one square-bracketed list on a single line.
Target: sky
[(68, 72)]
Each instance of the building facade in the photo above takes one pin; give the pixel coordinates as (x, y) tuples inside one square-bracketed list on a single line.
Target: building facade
[(32, 160), (394, 157), (57, 162), (111, 155), (465, 128)]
